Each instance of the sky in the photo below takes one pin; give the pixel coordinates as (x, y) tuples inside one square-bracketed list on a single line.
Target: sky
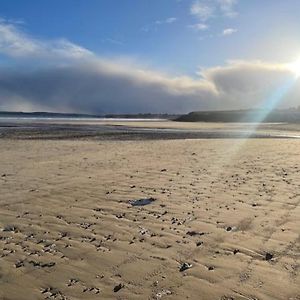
[(157, 56)]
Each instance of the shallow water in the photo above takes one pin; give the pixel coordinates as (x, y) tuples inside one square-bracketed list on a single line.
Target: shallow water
[(115, 129)]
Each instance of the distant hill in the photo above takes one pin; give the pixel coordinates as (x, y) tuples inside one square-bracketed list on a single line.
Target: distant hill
[(247, 116), (10, 114), (276, 116), (144, 116)]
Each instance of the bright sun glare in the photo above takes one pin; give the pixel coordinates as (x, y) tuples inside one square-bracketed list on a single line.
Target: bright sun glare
[(295, 67)]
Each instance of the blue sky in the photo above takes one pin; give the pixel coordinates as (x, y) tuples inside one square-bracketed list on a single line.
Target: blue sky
[(174, 37), (267, 29)]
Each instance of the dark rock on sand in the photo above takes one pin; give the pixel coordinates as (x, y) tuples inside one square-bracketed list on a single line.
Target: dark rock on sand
[(185, 266), (19, 264), (10, 228), (118, 287), (269, 256), (142, 202), (194, 233)]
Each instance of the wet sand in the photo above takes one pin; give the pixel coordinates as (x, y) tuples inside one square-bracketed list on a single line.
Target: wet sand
[(218, 219), (98, 129)]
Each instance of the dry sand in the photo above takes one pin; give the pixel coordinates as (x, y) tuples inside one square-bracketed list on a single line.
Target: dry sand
[(230, 208)]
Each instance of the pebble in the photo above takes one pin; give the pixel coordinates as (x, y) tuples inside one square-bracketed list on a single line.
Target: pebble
[(185, 266), (118, 287), (269, 256)]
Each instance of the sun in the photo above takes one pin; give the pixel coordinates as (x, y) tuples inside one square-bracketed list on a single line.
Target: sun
[(295, 67)]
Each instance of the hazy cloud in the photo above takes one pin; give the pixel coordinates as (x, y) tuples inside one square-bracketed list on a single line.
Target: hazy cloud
[(169, 21), (202, 10), (251, 84), (112, 41), (166, 21), (102, 87), (206, 9), (198, 27), (16, 43), (228, 8), (78, 80), (229, 31)]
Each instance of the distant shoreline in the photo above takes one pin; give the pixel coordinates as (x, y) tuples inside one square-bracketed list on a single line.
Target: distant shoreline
[(96, 119), (227, 116), (52, 115)]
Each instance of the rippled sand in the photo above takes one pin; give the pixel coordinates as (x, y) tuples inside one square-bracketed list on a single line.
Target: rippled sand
[(230, 209)]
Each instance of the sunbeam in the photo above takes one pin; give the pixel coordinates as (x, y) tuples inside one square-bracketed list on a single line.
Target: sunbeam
[(273, 101), (257, 119)]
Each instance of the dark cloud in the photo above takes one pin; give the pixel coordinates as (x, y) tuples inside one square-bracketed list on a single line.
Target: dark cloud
[(97, 90), (100, 87), (61, 76)]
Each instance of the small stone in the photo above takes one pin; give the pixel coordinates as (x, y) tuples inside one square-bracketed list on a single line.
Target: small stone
[(235, 251), (48, 265), (155, 283), (269, 256), (163, 293), (19, 264), (10, 228), (118, 287), (142, 202), (185, 266), (194, 233)]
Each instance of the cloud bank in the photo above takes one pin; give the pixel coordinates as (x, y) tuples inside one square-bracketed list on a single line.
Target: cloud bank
[(61, 76)]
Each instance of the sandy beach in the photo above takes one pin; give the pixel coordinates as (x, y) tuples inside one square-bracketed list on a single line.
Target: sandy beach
[(219, 219), (150, 150)]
